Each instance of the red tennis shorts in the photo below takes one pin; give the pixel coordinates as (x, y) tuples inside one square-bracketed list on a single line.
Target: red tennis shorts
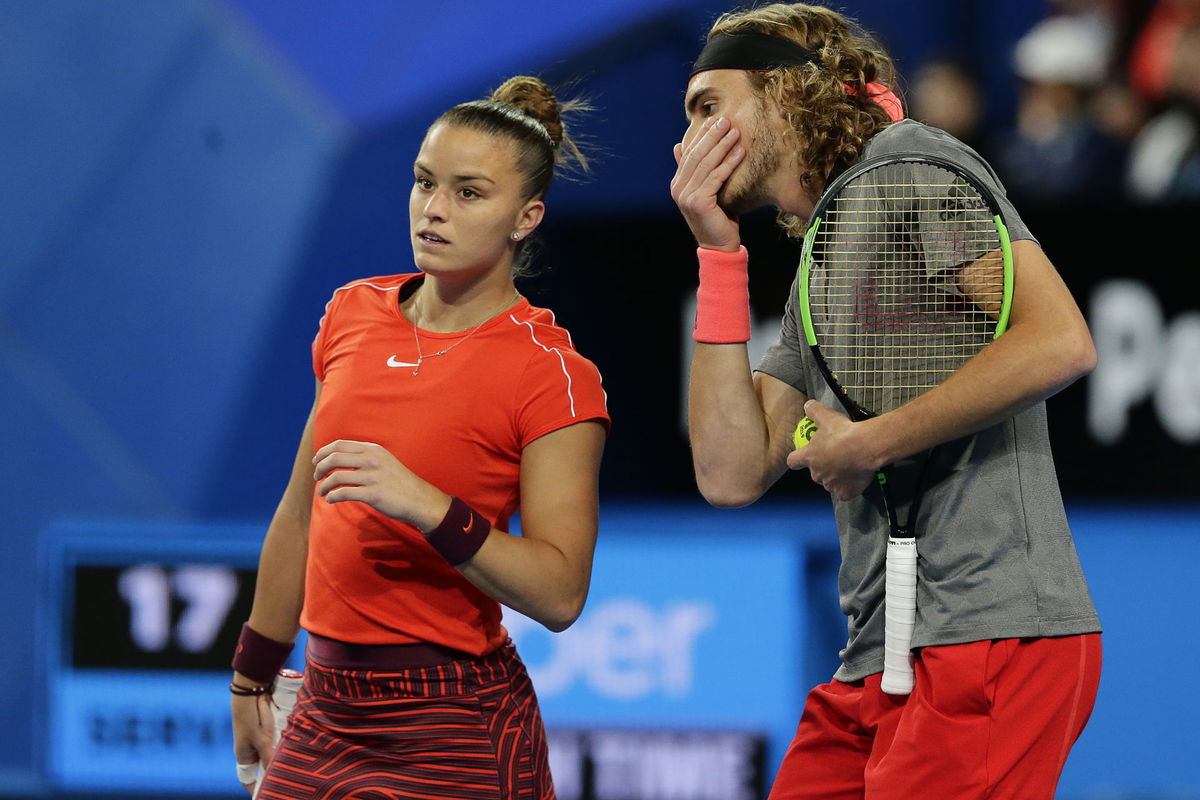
[(463, 730), (991, 719)]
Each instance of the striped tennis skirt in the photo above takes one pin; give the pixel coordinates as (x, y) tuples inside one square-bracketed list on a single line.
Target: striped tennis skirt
[(452, 729)]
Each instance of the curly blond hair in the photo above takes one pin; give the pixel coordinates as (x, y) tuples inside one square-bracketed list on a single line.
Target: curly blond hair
[(831, 122)]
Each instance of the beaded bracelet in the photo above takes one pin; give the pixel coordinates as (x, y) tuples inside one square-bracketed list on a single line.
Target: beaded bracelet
[(256, 692)]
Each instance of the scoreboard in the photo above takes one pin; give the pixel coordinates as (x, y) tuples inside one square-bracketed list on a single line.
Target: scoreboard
[(140, 623), (140, 626)]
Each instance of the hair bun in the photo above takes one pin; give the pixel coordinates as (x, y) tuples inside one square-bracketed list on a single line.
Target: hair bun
[(532, 96)]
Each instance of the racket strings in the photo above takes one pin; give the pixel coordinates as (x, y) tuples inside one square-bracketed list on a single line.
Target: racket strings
[(907, 282)]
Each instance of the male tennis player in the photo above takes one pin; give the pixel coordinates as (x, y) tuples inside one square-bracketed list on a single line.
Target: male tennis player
[(1006, 649)]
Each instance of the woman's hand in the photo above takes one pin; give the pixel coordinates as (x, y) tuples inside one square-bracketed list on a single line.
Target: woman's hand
[(253, 732), (368, 473)]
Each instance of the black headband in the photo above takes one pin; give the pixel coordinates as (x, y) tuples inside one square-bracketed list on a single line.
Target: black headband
[(753, 51)]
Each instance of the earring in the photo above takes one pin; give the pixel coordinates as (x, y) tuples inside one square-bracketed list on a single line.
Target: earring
[(516, 236)]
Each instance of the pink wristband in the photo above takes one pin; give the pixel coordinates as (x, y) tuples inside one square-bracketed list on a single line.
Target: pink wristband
[(460, 533), (258, 657), (723, 299)]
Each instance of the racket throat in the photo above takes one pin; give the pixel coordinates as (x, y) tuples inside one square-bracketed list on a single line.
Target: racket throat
[(889, 506)]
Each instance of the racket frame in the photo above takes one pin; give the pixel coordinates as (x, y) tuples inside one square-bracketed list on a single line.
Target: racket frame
[(901, 556)]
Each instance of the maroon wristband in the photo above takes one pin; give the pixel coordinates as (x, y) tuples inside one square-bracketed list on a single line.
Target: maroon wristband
[(259, 658), (460, 533)]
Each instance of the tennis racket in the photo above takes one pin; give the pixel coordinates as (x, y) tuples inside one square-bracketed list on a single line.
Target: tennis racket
[(906, 274)]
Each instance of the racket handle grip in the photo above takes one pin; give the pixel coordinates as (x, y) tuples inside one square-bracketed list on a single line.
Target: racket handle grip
[(899, 615), (287, 685)]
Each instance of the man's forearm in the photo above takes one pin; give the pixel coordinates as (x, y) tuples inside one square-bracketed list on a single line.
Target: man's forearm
[(726, 426)]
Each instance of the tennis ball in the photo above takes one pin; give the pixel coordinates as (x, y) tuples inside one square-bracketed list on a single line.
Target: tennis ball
[(804, 432)]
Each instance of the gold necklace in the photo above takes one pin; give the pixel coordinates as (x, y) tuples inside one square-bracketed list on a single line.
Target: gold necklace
[(417, 339)]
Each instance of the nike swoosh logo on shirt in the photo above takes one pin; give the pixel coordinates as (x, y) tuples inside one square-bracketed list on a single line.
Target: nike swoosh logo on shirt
[(392, 362)]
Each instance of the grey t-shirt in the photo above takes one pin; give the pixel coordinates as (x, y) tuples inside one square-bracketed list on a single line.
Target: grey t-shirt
[(996, 556)]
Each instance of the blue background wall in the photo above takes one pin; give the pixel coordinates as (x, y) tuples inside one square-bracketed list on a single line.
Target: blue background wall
[(184, 182)]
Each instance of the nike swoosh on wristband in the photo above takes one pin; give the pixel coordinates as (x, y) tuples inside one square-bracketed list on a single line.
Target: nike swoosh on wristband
[(392, 362)]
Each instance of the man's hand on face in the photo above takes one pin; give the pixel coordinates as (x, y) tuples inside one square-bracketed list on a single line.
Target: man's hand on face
[(704, 164)]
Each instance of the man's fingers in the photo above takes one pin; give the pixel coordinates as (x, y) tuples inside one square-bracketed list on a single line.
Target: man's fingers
[(820, 413), (708, 150), (704, 165), (709, 175), (720, 173), (690, 138)]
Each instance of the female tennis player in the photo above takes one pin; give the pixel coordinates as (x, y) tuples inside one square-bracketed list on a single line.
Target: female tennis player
[(1006, 649), (445, 403)]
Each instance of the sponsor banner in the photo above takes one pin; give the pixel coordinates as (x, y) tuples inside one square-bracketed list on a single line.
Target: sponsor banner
[(693, 619), (604, 764)]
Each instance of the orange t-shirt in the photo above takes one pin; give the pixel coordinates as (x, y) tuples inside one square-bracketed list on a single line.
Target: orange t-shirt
[(460, 424)]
